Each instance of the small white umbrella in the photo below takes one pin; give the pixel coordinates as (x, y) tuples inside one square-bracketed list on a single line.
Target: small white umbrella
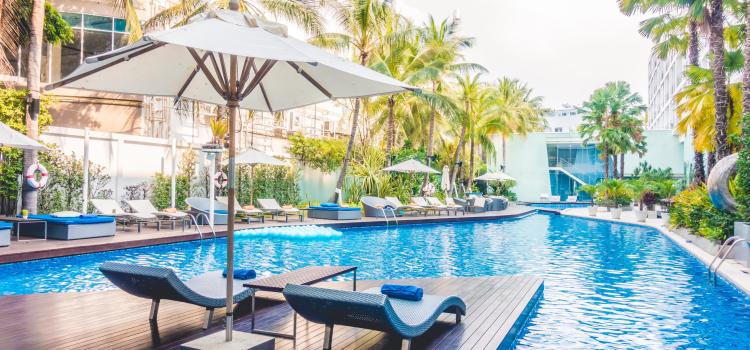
[(253, 157), (445, 180), (495, 176), (229, 58), (11, 138), (411, 166)]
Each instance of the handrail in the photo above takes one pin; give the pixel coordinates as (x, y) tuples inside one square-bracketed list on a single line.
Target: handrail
[(731, 242), (194, 218)]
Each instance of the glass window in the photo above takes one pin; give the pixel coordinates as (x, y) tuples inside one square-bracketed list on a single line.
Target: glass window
[(120, 25), (70, 55), (97, 22), (121, 39), (74, 19), (95, 42)]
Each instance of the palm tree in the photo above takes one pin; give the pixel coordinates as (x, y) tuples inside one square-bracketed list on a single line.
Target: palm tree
[(33, 82), (606, 118), (361, 22), (470, 93), (716, 45), (305, 14), (743, 163)]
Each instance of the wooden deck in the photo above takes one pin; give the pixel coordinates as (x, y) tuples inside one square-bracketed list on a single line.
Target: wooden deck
[(39, 249), (497, 307)]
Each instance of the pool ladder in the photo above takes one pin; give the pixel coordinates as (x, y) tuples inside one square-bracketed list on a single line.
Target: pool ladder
[(727, 248), (385, 216), (194, 219)]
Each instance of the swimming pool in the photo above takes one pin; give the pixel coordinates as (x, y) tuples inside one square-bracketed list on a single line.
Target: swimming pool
[(607, 285), (558, 206)]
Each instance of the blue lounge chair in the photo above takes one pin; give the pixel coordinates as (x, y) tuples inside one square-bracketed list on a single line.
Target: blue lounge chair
[(370, 310), (69, 228), (5, 228), (156, 283)]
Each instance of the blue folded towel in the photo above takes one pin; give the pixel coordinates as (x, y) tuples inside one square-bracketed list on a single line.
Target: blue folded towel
[(329, 205), (241, 274), (88, 216), (388, 206), (396, 291)]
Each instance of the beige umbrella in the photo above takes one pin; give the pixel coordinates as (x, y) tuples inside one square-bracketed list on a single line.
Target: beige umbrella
[(411, 166), (11, 138), (253, 157)]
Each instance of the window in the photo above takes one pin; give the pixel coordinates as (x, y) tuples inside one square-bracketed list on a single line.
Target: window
[(92, 35)]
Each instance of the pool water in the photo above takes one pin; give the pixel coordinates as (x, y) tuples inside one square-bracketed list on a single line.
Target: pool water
[(558, 206), (607, 285)]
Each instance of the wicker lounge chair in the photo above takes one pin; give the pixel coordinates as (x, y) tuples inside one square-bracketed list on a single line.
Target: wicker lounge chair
[(477, 205), (145, 206), (202, 205), (109, 207), (370, 310), (375, 207), (250, 212), (156, 283), (271, 206)]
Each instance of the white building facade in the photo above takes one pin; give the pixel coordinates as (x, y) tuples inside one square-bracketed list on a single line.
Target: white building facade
[(563, 120), (665, 78)]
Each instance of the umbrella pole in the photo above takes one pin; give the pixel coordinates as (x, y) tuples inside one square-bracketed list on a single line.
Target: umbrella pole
[(233, 104)]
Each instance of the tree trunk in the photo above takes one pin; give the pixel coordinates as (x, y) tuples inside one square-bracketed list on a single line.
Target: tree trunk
[(614, 167), (699, 170), (606, 163), (390, 134), (33, 80), (352, 136), (430, 136), (743, 163), (711, 162), (716, 42), (471, 162), (622, 165), (459, 147)]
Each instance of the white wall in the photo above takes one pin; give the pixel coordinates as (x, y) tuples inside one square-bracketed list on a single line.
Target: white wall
[(527, 163)]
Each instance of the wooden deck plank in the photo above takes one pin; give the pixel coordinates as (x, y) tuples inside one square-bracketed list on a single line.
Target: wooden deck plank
[(115, 320)]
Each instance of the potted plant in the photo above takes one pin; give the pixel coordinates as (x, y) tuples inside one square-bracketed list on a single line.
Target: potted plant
[(25, 213), (649, 199), (591, 191)]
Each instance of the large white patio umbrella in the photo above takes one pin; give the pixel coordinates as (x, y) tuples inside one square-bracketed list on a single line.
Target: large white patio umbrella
[(411, 166), (239, 60), (11, 138), (253, 157), (495, 176)]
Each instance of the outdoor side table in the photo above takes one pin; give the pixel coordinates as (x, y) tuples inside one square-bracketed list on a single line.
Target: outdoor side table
[(18, 222)]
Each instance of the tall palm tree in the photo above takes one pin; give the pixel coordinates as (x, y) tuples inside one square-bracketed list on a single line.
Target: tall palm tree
[(743, 163), (606, 116), (470, 94), (33, 105), (716, 45), (361, 21)]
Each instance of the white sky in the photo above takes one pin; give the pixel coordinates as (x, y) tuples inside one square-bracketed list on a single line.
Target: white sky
[(563, 49)]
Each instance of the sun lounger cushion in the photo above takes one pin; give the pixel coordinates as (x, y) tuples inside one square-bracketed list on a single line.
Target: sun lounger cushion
[(335, 208), (66, 214), (74, 220), (329, 205), (5, 225), (222, 212), (397, 291)]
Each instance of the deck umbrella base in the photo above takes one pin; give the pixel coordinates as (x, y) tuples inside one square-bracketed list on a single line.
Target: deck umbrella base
[(240, 341)]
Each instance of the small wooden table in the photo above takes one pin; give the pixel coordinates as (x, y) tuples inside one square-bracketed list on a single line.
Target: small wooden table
[(304, 276)]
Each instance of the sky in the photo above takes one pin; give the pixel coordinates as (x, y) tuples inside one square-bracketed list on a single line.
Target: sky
[(563, 49)]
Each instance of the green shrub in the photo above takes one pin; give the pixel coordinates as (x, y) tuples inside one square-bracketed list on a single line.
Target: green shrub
[(161, 191), (693, 210), (64, 189), (279, 182), (323, 154)]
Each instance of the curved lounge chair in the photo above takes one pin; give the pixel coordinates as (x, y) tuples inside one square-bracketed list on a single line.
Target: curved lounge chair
[(374, 207), (370, 310), (156, 283), (221, 216)]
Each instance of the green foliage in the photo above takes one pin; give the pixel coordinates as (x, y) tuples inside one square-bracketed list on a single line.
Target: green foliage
[(161, 191), (64, 189), (281, 183), (693, 210), (56, 30), (647, 172), (323, 154), (743, 169), (613, 193)]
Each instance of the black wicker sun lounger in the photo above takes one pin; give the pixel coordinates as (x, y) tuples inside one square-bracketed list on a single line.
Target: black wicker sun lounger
[(156, 283), (370, 310)]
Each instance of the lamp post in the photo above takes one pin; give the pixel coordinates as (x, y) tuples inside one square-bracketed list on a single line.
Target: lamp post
[(211, 150)]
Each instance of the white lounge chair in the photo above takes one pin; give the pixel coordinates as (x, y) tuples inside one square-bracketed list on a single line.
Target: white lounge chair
[(572, 199), (108, 207), (400, 206), (448, 206), (271, 206), (554, 199), (145, 206), (477, 205), (420, 201), (250, 212)]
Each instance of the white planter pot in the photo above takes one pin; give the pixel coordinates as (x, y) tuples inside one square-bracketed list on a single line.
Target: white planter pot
[(616, 213), (665, 219), (592, 210), (640, 215), (652, 214)]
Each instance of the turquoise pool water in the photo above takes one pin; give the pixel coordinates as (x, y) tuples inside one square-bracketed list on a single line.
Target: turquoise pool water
[(607, 285)]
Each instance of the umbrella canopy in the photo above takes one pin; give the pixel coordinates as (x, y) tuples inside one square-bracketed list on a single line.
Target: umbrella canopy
[(495, 176), (277, 72), (225, 57), (254, 157), (411, 166), (12, 138), (445, 180)]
